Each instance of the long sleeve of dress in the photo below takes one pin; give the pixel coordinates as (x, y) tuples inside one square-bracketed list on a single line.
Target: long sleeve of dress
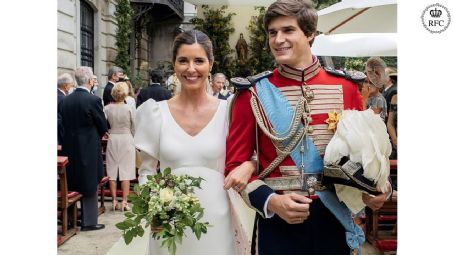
[(147, 136)]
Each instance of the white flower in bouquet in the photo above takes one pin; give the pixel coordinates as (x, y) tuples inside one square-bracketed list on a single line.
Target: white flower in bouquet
[(166, 195)]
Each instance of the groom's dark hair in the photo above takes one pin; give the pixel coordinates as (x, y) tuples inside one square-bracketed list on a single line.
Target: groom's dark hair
[(303, 10)]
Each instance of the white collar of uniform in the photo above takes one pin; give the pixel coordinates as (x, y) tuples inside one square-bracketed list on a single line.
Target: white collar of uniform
[(62, 91)]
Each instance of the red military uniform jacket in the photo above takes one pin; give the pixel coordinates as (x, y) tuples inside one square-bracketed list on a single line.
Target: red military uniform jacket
[(331, 93)]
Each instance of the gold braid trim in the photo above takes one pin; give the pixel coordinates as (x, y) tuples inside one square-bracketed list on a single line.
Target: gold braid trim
[(295, 135)]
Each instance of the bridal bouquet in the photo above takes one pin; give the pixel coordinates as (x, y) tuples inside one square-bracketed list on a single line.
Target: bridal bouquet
[(167, 203)]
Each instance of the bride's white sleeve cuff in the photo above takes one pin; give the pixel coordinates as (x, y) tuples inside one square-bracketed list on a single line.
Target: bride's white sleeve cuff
[(148, 167)]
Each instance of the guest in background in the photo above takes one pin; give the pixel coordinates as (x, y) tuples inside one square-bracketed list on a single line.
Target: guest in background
[(114, 75), (84, 123), (217, 85), (391, 86), (364, 90), (392, 126), (130, 98), (376, 78), (173, 84), (96, 86), (65, 85), (154, 90), (120, 152)]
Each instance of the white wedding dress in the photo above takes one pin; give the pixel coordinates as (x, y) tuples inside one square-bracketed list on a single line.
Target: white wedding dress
[(158, 136)]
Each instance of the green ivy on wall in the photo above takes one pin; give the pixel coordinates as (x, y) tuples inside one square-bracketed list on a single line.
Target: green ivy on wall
[(123, 15), (217, 24)]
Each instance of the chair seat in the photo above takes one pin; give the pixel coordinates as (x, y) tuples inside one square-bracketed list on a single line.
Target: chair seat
[(387, 217), (73, 197), (71, 194), (386, 245), (104, 180), (59, 240)]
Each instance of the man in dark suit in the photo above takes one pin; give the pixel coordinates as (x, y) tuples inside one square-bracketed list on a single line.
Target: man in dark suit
[(217, 85), (65, 85), (390, 87), (154, 89), (114, 75), (84, 123)]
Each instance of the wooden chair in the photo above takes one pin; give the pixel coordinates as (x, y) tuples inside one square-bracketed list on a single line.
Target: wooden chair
[(67, 200), (104, 180), (101, 193), (381, 225)]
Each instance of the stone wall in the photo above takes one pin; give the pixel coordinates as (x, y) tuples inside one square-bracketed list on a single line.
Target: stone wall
[(68, 34), (162, 40)]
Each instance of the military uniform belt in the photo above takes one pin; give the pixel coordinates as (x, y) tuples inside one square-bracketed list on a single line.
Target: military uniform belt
[(306, 182)]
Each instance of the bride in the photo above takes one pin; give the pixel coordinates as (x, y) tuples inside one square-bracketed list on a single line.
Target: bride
[(188, 134)]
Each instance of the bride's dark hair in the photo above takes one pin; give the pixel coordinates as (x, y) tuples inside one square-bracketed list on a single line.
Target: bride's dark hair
[(190, 37)]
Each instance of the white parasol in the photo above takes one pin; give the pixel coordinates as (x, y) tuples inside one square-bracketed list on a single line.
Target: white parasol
[(356, 45), (359, 16)]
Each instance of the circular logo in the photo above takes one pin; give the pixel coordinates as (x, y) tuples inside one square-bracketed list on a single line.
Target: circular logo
[(436, 18)]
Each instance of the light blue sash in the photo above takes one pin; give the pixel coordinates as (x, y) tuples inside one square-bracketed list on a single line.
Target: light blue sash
[(280, 113)]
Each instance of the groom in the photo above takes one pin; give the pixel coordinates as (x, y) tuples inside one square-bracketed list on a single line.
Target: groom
[(292, 218)]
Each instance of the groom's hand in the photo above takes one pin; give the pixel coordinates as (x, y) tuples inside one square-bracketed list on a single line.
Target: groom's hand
[(293, 208)]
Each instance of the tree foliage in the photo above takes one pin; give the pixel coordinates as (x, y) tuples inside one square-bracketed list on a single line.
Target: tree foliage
[(350, 63), (321, 4), (357, 63), (261, 58), (123, 15), (217, 24)]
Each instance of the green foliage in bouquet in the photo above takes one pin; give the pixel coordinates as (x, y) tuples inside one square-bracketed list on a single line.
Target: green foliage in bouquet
[(168, 204)]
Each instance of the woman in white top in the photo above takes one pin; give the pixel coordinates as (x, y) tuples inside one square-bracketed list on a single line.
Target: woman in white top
[(188, 134)]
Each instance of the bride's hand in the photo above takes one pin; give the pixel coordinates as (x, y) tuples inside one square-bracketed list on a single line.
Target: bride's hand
[(239, 177)]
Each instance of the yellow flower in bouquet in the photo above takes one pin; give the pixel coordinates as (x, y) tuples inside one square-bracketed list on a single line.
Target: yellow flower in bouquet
[(168, 204)]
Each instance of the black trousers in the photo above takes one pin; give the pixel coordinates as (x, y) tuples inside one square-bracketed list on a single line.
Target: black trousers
[(320, 234), (89, 204)]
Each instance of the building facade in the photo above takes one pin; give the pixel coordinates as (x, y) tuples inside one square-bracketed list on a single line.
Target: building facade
[(86, 32)]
